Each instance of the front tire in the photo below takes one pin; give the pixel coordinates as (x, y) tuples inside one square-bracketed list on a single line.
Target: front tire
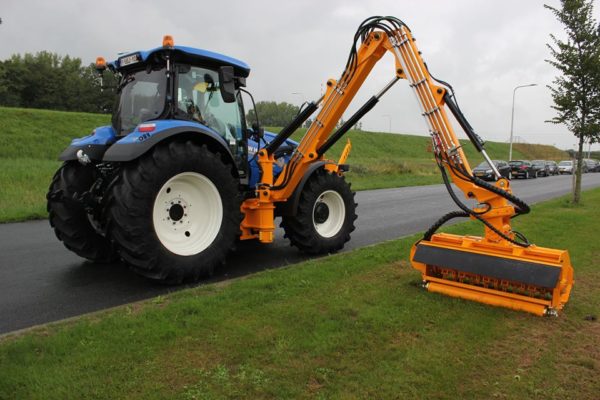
[(175, 213), (325, 216), (71, 223)]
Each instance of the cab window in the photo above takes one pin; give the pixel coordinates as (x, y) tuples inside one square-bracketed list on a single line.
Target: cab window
[(199, 99)]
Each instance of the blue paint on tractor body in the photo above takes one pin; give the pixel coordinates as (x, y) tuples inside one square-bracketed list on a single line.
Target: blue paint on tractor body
[(101, 135)]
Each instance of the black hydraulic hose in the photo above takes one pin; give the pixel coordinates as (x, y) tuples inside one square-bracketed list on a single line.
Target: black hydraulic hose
[(462, 121), (476, 215), (442, 221), (520, 206), (291, 127)]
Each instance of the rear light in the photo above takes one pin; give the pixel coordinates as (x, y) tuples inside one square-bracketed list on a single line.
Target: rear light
[(147, 127)]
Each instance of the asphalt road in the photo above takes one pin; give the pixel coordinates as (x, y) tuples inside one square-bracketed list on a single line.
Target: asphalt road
[(41, 281)]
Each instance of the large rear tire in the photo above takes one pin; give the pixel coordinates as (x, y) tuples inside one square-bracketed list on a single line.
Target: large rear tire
[(175, 212), (325, 216), (71, 223)]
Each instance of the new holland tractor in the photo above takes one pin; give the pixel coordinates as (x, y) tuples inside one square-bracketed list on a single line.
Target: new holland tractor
[(179, 177)]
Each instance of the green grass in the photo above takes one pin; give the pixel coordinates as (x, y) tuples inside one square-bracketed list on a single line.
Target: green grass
[(24, 183), (31, 140), (42, 134), (349, 326)]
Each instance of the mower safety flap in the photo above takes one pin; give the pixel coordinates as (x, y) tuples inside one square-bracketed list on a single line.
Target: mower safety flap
[(496, 267)]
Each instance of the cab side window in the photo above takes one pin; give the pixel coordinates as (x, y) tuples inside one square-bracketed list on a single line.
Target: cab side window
[(199, 99)]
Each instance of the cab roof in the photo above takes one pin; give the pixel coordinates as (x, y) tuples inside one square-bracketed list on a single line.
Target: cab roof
[(192, 55)]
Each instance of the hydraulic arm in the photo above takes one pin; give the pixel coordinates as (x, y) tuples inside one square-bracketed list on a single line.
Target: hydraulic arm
[(500, 268)]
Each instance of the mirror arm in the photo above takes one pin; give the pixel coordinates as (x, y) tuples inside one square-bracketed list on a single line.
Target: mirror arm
[(258, 130)]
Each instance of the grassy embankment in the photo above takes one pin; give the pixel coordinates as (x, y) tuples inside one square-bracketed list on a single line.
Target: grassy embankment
[(31, 140), (382, 160), (347, 326)]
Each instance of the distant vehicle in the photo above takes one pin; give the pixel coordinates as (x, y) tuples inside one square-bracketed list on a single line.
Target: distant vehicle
[(590, 165), (597, 168), (484, 171), (552, 167), (541, 168), (565, 167), (522, 168)]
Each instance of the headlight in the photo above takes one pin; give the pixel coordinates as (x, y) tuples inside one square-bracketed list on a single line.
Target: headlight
[(489, 171)]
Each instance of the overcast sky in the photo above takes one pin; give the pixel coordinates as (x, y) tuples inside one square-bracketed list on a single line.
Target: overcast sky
[(483, 48)]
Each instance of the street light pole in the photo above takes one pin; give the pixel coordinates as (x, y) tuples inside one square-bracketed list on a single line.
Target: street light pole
[(390, 122), (512, 118)]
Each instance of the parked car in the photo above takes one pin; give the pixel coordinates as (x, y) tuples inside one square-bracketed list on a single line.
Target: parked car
[(590, 165), (522, 168), (597, 169), (565, 167), (541, 168), (484, 171), (552, 167)]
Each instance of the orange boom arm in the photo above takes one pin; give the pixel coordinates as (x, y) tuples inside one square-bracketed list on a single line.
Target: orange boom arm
[(500, 268)]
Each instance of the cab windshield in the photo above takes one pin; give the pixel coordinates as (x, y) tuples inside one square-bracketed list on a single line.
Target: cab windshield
[(140, 98)]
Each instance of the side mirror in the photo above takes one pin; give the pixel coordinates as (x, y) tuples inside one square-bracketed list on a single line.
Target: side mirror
[(259, 132), (227, 84)]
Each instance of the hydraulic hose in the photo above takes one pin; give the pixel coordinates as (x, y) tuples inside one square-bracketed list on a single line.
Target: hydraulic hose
[(474, 214)]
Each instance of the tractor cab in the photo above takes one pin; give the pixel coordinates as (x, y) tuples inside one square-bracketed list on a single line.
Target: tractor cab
[(177, 82), (173, 85)]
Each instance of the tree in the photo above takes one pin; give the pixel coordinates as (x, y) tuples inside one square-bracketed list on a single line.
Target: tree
[(576, 92), (272, 113), (47, 80)]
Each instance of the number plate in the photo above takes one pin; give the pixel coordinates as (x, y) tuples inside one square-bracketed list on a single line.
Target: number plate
[(128, 60)]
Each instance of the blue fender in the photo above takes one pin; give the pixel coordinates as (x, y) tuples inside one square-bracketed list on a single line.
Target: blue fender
[(139, 141), (94, 145)]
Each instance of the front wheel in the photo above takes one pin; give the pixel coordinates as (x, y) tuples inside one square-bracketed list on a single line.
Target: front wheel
[(325, 216), (175, 213)]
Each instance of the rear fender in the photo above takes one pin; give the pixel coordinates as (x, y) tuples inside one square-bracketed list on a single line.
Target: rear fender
[(139, 143), (93, 145)]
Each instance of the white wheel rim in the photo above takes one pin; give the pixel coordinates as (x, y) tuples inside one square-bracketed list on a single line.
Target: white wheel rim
[(334, 220), (187, 213)]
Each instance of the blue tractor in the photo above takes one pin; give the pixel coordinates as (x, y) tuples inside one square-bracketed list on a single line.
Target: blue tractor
[(161, 188)]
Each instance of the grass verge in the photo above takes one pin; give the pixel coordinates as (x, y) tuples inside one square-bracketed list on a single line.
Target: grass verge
[(353, 325)]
